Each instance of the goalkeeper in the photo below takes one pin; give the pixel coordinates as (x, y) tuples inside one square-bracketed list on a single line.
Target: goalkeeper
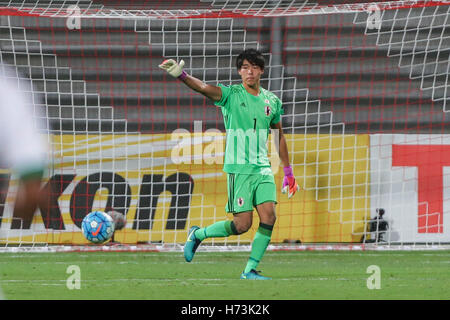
[(249, 113)]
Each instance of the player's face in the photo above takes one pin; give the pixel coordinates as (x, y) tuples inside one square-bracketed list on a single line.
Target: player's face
[(250, 73)]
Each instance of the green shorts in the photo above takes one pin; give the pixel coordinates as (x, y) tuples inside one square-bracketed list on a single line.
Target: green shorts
[(246, 191)]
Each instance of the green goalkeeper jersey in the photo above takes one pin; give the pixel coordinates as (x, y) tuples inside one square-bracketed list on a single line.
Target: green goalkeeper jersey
[(248, 119)]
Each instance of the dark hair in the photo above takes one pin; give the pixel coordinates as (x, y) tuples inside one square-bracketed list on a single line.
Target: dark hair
[(251, 55)]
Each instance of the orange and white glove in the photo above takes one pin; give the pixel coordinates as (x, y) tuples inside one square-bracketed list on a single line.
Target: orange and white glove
[(174, 69), (290, 186)]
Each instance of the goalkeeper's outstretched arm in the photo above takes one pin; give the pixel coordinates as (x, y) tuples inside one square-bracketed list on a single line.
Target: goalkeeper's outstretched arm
[(176, 70)]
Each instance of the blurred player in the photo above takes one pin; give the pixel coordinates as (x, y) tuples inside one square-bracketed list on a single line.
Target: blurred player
[(21, 147), (249, 113)]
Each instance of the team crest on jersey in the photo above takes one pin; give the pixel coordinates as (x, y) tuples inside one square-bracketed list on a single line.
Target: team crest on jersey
[(267, 110), (241, 202)]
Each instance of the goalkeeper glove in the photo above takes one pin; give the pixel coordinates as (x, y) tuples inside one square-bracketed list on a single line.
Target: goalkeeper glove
[(174, 69), (290, 186)]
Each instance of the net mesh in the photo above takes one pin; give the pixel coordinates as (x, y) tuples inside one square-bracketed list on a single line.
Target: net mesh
[(364, 90)]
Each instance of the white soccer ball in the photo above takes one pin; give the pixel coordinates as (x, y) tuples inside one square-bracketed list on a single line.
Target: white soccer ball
[(97, 227)]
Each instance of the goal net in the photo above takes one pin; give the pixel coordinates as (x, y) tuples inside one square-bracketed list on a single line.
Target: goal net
[(364, 87)]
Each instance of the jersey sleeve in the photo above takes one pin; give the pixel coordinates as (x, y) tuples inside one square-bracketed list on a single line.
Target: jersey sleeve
[(224, 101), (278, 112)]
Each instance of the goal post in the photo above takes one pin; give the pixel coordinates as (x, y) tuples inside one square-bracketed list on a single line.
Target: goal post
[(364, 88)]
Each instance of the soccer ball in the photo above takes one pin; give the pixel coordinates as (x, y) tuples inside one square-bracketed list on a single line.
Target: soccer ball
[(97, 227)]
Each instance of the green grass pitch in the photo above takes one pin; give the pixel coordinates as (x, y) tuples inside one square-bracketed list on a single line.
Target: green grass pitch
[(165, 275)]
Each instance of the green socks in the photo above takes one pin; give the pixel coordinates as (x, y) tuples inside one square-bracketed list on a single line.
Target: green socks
[(227, 228), (259, 246), (218, 229)]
